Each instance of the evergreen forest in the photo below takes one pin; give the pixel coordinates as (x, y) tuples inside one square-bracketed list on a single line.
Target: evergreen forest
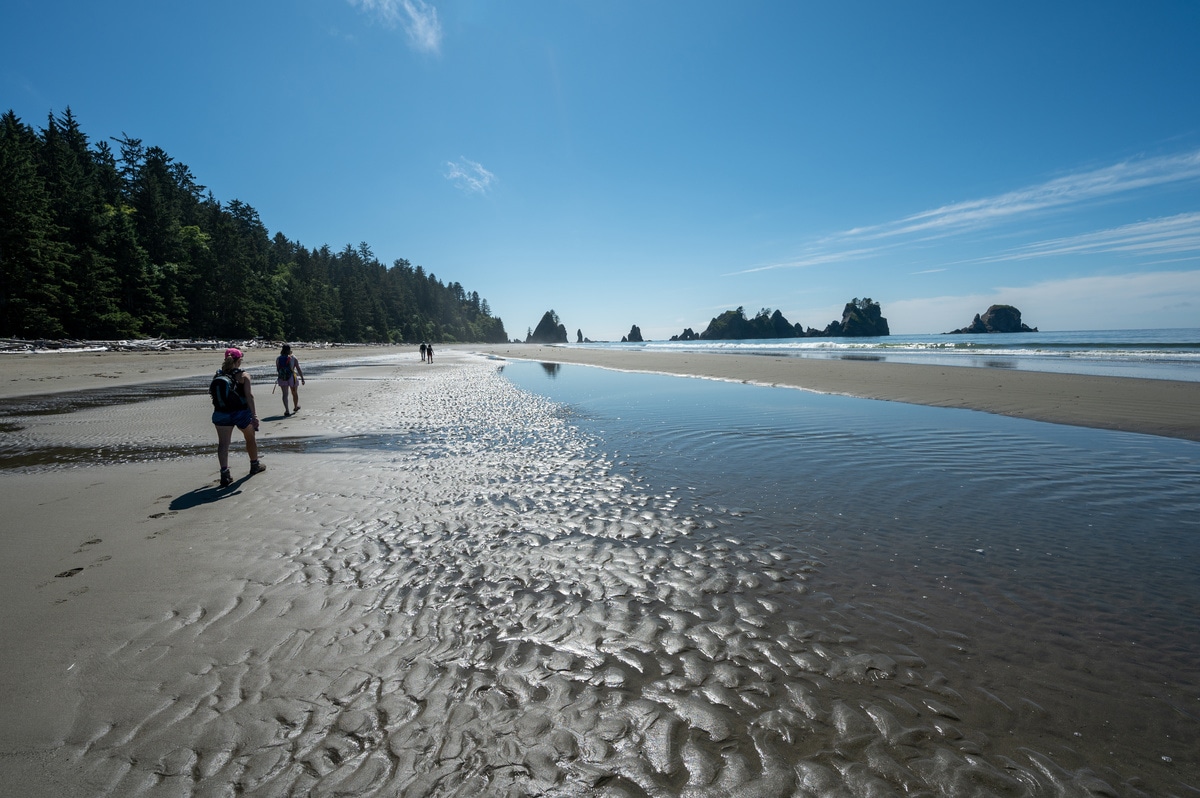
[(103, 243)]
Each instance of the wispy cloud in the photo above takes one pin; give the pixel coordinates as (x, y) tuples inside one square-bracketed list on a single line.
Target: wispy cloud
[(469, 176), (422, 25), (815, 258), (1028, 206), (1171, 235), (1069, 190), (418, 19)]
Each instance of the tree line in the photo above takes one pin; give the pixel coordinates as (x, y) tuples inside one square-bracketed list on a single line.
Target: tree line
[(102, 243)]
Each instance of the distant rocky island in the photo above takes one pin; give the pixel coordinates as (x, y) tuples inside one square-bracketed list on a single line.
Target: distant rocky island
[(549, 331), (861, 318), (996, 319)]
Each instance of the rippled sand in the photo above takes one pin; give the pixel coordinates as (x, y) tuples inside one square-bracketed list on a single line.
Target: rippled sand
[(459, 594)]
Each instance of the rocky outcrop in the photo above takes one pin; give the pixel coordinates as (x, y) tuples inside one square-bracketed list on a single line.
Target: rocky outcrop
[(634, 337), (732, 325), (549, 331), (997, 319), (861, 318)]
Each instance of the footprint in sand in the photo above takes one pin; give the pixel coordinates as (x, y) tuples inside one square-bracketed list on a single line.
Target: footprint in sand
[(67, 574)]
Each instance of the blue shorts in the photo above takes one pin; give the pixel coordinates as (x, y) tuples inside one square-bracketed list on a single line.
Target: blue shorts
[(238, 418)]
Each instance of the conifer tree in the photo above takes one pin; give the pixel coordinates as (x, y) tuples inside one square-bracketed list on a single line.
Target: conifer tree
[(33, 259)]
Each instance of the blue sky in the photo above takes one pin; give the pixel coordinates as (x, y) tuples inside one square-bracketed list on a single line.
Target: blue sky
[(655, 163)]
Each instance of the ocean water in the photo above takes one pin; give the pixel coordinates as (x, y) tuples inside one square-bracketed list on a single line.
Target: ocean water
[(1052, 571), (1165, 354)]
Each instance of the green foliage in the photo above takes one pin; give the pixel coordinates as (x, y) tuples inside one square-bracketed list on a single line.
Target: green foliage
[(101, 245), (34, 259)]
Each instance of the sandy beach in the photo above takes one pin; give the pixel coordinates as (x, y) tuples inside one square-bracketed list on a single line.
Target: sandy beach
[(439, 587), (1153, 407), (105, 561), (67, 370)]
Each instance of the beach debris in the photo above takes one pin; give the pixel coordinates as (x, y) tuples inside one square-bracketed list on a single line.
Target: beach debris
[(45, 345)]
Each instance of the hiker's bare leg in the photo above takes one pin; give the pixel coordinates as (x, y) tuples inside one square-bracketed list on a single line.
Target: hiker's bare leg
[(251, 443), (224, 436)]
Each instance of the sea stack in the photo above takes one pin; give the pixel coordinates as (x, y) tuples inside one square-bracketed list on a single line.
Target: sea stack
[(996, 319)]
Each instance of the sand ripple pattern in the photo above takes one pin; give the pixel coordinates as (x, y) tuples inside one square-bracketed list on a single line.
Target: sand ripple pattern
[(494, 610)]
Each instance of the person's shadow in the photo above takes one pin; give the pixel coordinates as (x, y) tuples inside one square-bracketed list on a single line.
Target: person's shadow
[(207, 495)]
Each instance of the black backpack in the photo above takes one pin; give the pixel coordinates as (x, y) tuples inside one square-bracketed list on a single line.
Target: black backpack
[(283, 367), (224, 393)]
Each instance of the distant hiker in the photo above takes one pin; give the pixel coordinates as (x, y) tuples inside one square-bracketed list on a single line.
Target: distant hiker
[(287, 371), (233, 406), (429, 353), (423, 349)]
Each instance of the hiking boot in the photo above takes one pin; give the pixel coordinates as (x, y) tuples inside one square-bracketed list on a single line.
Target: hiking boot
[(257, 468), (226, 478)]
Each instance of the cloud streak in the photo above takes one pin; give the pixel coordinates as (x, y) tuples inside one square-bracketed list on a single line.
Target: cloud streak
[(1064, 191), (1168, 235), (418, 19), (813, 259), (469, 176)]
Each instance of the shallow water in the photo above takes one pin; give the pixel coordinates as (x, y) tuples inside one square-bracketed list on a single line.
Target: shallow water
[(658, 586), (995, 498), (1069, 557)]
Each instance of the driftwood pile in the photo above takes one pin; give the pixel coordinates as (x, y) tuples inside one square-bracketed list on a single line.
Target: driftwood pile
[(17, 345)]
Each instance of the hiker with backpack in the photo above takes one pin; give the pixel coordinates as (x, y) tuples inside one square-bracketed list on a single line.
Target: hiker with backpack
[(233, 406), (287, 370)]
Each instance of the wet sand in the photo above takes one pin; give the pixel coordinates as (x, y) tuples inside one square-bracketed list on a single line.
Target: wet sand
[(1153, 407), (456, 594)]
